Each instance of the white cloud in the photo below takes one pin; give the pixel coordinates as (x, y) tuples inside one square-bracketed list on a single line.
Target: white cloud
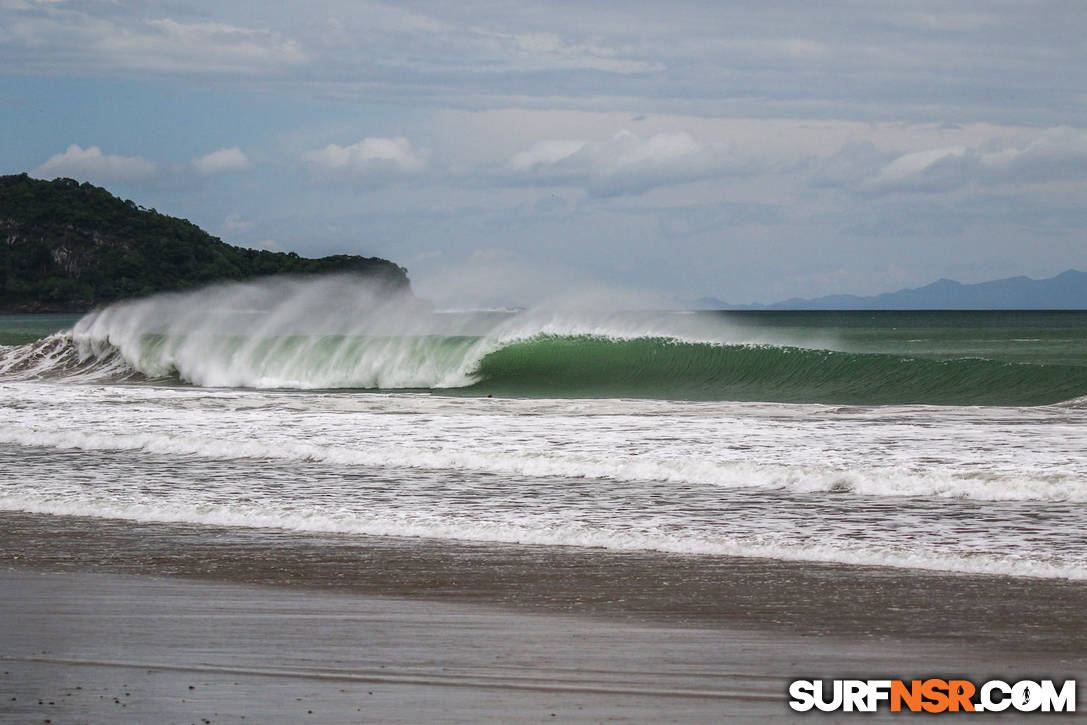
[(551, 51), (961, 60), (171, 46), (929, 170), (222, 161), (544, 154), (91, 164), (214, 47), (916, 163), (1059, 152), (1047, 155), (625, 163), (944, 19), (87, 38), (371, 157), (235, 223)]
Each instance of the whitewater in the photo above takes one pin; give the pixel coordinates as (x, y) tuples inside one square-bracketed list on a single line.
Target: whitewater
[(946, 442)]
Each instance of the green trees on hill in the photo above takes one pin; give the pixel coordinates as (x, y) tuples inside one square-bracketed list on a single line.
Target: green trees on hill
[(66, 246)]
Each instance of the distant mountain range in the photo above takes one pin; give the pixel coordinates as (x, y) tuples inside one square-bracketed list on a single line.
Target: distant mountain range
[(1066, 291)]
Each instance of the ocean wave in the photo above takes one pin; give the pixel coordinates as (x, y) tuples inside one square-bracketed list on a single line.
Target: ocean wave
[(289, 334), (585, 366), (548, 365)]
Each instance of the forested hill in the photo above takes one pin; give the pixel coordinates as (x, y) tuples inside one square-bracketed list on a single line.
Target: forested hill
[(66, 247)]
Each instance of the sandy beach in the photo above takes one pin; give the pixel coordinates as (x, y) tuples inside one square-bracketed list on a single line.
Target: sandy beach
[(115, 622)]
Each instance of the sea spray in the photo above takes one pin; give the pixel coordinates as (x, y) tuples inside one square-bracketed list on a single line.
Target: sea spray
[(344, 333), (339, 331)]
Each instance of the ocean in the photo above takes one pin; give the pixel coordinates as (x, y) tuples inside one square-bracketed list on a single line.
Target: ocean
[(950, 442)]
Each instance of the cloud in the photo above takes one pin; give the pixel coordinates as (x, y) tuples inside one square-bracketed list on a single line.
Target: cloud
[(545, 153), (223, 161), (854, 162), (929, 170), (944, 20), (473, 42), (694, 219), (91, 164), (1041, 156), (548, 50), (1053, 153), (170, 46), (87, 38), (235, 223), (373, 157), (964, 61), (625, 163)]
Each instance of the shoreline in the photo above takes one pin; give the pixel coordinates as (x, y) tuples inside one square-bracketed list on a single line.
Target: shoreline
[(112, 621), (1045, 616)]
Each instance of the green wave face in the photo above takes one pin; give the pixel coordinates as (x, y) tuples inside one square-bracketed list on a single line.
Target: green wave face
[(584, 366), (286, 340)]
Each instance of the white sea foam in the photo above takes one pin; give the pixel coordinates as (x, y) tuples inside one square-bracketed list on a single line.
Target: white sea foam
[(549, 534), (57, 357), (895, 486), (874, 480)]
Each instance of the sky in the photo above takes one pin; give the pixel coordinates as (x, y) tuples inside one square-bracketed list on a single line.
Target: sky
[(507, 151)]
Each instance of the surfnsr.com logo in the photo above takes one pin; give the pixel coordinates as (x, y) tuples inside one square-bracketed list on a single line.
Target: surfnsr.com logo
[(932, 695)]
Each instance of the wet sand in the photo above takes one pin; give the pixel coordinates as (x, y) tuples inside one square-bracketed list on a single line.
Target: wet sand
[(114, 622)]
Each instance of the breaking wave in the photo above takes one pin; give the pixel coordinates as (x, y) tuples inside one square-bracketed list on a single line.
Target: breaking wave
[(295, 335)]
